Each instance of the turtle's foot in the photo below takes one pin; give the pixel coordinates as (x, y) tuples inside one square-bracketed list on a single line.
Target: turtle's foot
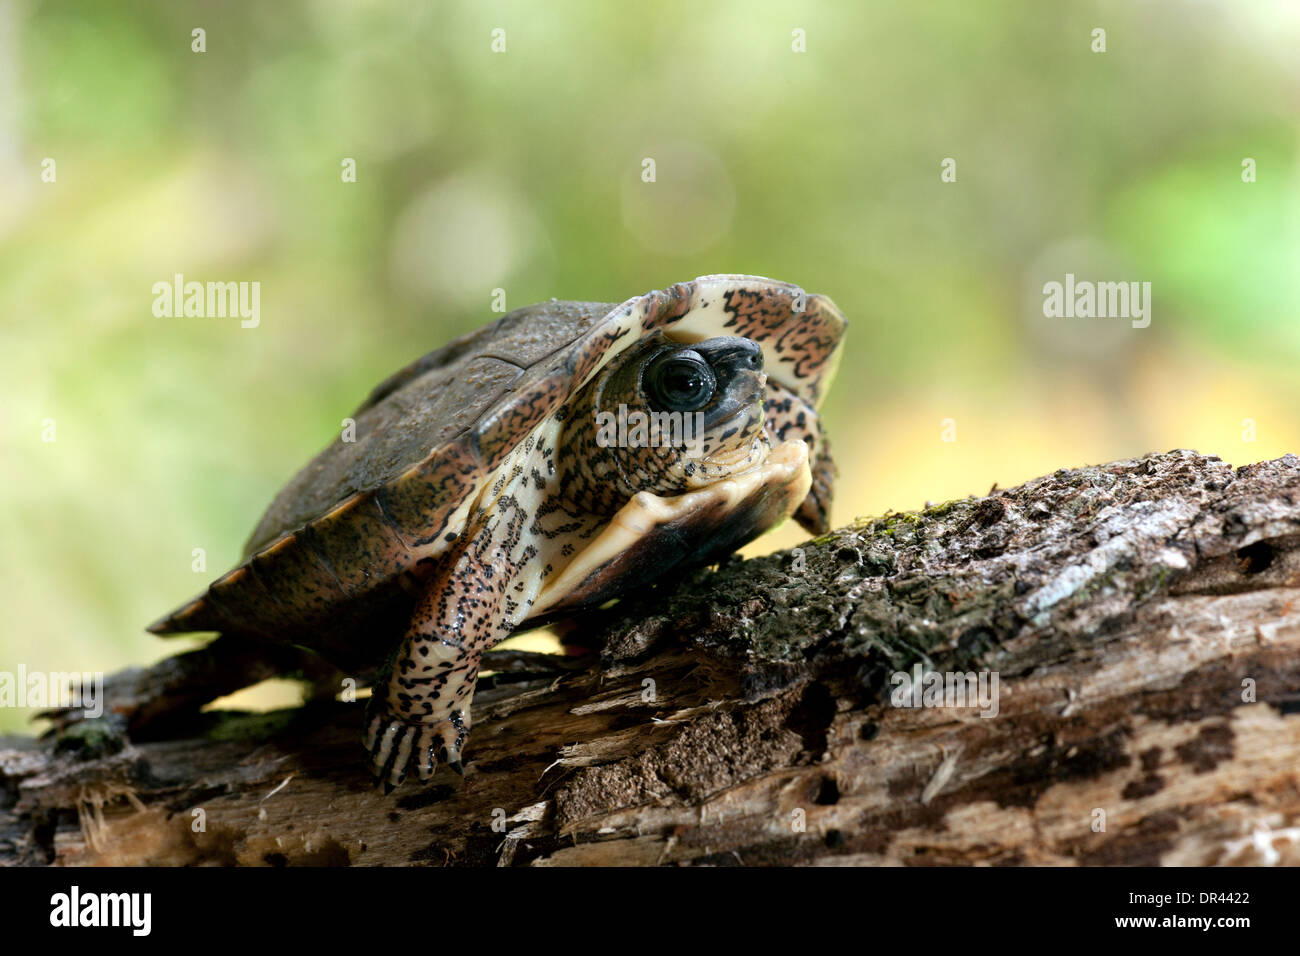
[(121, 697), (397, 745), (162, 701)]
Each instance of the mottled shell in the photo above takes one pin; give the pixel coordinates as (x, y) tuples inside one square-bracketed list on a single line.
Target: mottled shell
[(329, 555)]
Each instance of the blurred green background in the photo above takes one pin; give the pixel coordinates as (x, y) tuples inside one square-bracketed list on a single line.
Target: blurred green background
[(521, 170)]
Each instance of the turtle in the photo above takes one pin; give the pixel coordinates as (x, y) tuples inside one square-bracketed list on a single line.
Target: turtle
[(539, 465)]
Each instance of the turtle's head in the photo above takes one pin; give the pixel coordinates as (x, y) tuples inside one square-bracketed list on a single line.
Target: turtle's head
[(667, 417)]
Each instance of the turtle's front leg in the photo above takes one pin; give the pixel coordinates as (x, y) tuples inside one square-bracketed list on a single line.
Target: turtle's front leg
[(422, 713)]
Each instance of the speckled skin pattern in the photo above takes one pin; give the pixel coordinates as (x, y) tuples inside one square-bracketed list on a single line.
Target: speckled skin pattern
[(475, 480), (790, 417)]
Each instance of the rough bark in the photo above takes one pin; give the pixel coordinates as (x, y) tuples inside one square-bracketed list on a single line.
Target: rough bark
[(1143, 618)]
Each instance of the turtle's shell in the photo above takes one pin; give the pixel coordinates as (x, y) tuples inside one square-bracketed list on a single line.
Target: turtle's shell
[(327, 560)]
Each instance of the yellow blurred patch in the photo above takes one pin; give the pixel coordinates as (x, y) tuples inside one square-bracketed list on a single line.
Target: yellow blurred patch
[(272, 694)]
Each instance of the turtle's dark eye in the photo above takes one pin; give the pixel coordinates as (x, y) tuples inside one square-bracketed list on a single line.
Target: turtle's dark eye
[(680, 382)]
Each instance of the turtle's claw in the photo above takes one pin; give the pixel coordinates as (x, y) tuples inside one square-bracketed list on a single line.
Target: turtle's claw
[(397, 745)]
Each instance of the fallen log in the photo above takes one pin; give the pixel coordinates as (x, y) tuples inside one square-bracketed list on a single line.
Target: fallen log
[(1105, 664)]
